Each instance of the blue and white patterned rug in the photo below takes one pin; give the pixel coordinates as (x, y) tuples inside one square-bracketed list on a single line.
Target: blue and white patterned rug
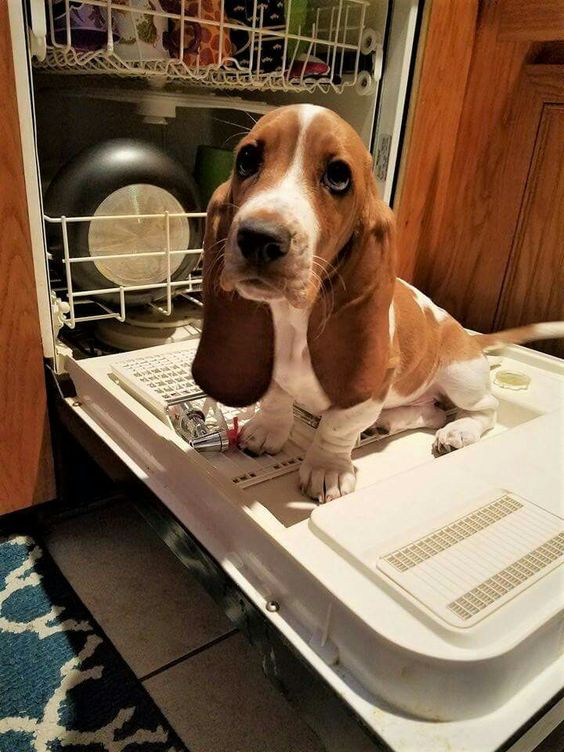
[(63, 686)]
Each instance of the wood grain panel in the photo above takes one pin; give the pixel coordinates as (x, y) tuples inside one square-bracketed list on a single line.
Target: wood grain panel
[(534, 287), (548, 81), (538, 20), (465, 272), (465, 236), (464, 268), (26, 470), (435, 113)]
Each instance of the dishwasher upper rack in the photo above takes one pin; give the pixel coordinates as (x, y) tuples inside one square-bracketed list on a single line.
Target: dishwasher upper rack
[(321, 45), (67, 301)]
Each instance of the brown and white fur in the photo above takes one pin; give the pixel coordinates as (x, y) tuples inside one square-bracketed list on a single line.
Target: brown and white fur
[(326, 323)]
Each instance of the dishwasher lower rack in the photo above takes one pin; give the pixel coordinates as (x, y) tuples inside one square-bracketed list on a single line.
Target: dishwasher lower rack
[(73, 304), (287, 45), (419, 672)]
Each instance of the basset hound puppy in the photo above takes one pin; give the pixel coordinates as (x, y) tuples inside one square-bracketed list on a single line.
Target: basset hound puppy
[(301, 304)]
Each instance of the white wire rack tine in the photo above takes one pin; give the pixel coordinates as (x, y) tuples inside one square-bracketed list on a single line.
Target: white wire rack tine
[(294, 55), (182, 18), (253, 32), (114, 217), (221, 32), (345, 32), (198, 51), (287, 29), (68, 24), (193, 300), (98, 317), (336, 38), (129, 288), (318, 13), (132, 254), (168, 279), (360, 31), (110, 42), (306, 60), (122, 311), (52, 24), (259, 50), (330, 35), (71, 322)]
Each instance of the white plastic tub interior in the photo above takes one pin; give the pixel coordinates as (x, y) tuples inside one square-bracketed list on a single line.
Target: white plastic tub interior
[(399, 664)]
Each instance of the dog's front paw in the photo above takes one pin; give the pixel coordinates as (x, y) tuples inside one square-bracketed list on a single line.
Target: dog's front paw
[(262, 435), (455, 435), (324, 476)]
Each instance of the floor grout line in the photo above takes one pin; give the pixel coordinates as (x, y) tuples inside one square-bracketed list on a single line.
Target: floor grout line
[(189, 654)]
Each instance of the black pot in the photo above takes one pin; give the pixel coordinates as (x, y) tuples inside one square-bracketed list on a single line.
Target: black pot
[(123, 176)]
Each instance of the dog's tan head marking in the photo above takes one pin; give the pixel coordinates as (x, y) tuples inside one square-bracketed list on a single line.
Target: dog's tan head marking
[(301, 177)]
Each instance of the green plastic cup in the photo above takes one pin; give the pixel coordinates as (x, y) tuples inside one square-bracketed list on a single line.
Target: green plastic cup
[(213, 167), (298, 17)]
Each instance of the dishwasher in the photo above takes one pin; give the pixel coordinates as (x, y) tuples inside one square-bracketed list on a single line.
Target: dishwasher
[(427, 604)]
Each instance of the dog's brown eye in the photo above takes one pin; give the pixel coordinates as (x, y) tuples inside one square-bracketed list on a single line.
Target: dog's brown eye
[(337, 177), (248, 161)]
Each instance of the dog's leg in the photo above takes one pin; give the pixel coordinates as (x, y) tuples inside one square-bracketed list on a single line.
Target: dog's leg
[(327, 471), (407, 417), (467, 385), (269, 429)]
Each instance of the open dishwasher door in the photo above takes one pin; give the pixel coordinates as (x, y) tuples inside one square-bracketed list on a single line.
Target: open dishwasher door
[(431, 599)]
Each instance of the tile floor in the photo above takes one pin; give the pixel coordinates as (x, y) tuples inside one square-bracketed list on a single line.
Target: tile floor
[(200, 671)]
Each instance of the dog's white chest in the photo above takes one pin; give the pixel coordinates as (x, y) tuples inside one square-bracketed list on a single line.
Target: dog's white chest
[(292, 362)]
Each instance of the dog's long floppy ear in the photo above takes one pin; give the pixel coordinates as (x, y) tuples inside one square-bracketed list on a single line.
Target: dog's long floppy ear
[(235, 356), (351, 349)]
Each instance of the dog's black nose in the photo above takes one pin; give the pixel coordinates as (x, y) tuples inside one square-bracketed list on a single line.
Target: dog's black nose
[(262, 242)]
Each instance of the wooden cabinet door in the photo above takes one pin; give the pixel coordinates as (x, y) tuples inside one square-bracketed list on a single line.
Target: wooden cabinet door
[(481, 204), (26, 467), (533, 289)]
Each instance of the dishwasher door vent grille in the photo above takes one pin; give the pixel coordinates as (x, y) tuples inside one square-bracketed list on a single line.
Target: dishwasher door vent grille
[(475, 563)]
